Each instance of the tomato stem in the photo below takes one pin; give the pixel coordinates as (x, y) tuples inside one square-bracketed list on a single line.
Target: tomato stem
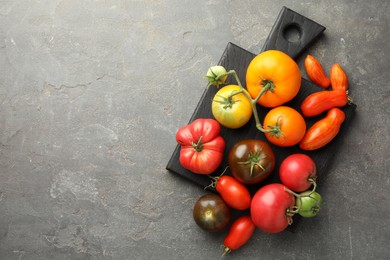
[(268, 85), (198, 146), (254, 160), (226, 251)]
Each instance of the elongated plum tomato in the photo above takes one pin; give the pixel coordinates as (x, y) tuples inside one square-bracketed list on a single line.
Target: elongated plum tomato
[(211, 213), (270, 206), (231, 111), (201, 146), (286, 125), (233, 192), (240, 232), (277, 74), (298, 172), (251, 160)]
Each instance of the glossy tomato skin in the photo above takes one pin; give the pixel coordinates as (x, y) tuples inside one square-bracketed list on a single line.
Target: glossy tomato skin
[(239, 233), (323, 131), (309, 204), (319, 102), (234, 193), (251, 160), (232, 112), (202, 146), (269, 208), (281, 70), (297, 172), (211, 213), (290, 122)]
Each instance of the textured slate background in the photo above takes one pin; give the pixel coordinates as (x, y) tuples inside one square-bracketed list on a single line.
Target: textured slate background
[(92, 93)]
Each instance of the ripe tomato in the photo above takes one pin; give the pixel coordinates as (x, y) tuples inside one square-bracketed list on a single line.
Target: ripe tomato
[(251, 161), (234, 193), (211, 213), (309, 204), (231, 112), (277, 72), (240, 232), (286, 126), (298, 172), (270, 206), (201, 146), (323, 131)]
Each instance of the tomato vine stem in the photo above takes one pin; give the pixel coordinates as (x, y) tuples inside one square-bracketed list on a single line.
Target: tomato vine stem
[(268, 85)]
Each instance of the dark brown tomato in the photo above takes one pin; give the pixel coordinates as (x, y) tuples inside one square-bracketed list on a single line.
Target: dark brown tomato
[(211, 213), (251, 161)]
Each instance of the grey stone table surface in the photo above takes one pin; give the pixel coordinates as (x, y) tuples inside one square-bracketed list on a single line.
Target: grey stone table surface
[(93, 92)]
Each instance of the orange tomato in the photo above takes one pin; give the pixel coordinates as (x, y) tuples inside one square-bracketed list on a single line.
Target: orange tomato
[(285, 126), (277, 72)]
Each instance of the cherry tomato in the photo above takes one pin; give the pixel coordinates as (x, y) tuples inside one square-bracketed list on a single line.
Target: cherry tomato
[(251, 161), (240, 232), (298, 172), (309, 204), (202, 146), (270, 208), (234, 193), (277, 72), (234, 111), (286, 126), (211, 213)]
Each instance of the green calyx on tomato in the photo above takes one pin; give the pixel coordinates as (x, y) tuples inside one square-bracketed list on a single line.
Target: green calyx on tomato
[(231, 107), (251, 160), (198, 146), (272, 79), (216, 75)]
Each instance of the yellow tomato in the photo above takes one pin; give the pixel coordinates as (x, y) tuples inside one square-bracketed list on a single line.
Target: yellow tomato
[(275, 72), (231, 111)]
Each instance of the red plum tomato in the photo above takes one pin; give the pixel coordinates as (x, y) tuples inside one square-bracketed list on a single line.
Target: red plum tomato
[(239, 234), (233, 192)]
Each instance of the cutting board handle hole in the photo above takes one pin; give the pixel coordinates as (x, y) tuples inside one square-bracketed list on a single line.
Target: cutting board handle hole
[(292, 32)]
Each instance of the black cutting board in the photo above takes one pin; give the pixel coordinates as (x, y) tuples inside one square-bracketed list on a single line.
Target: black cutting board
[(291, 33)]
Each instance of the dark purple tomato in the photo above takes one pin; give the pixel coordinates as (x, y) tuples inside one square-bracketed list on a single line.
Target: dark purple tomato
[(251, 161), (211, 213)]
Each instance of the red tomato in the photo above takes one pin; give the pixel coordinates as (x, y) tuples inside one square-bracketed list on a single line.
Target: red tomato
[(240, 232), (298, 172), (234, 193), (270, 206), (201, 146)]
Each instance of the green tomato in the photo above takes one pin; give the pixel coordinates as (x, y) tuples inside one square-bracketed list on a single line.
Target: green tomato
[(216, 75), (308, 204)]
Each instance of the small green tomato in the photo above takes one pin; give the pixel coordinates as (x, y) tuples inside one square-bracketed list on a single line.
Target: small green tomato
[(308, 204), (216, 75)]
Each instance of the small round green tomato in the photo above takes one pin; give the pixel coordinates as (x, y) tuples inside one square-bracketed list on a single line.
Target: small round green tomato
[(309, 205), (231, 111), (211, 213), (216, 75)]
